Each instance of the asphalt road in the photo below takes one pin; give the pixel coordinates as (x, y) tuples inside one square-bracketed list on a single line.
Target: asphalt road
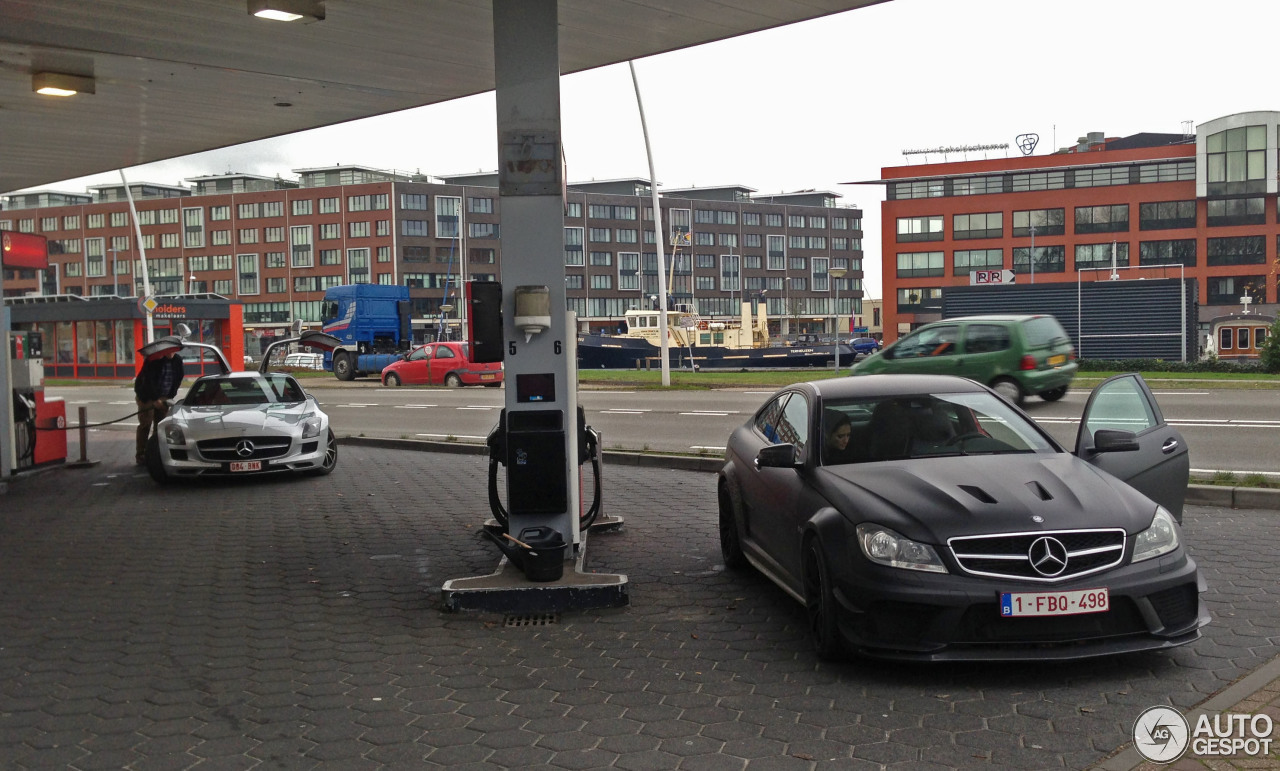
[(1231, 430)]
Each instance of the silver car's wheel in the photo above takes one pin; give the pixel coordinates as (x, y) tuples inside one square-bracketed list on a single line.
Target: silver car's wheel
[(1009, 389), (330, 457), (155, 464)]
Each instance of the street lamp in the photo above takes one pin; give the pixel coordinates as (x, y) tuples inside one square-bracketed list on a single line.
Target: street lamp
[(115, 274), (836, 274)]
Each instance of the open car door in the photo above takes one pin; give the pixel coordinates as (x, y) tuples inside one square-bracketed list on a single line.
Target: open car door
[(1159, 466)]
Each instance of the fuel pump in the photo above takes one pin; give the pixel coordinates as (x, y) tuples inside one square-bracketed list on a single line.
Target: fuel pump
[(39, 423)]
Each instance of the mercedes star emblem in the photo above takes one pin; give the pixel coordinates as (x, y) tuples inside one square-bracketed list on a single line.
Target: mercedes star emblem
[(1048, 556), (244, 448)]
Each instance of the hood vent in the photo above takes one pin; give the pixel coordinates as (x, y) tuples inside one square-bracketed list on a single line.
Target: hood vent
[(979, 493), (1038, 490)]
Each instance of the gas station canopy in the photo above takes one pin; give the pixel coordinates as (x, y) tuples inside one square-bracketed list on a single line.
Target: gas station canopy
[(159, 79)]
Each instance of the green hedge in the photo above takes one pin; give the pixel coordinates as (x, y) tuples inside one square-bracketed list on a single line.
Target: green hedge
[(1160, 365)]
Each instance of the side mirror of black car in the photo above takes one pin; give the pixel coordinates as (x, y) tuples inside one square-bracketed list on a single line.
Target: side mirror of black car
[(1114, 440), (778, 456)]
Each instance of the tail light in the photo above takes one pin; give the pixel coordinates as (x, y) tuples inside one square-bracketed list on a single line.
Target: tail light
[(1028, 363)]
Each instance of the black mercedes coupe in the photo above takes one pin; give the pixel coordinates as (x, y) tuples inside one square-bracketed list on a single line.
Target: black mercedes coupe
[(927, 518)]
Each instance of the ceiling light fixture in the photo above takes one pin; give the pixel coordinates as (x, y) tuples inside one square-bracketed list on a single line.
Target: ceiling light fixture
[(288, 10), (61, 84)]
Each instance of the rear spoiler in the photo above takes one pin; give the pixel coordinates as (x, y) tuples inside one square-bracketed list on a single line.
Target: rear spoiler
[(310, 339)]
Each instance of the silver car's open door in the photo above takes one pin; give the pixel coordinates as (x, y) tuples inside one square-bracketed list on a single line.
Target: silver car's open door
[(1160, 465)]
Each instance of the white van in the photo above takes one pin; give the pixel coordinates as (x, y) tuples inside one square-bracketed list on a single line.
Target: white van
[(304, 360)]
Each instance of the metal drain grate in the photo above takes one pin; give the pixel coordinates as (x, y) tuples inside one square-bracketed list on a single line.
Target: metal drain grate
[(532, 619)]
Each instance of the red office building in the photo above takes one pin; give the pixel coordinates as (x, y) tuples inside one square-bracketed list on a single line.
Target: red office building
[(1196, 206)]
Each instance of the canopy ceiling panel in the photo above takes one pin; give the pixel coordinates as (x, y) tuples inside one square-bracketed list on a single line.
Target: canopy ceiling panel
[(174, 77)]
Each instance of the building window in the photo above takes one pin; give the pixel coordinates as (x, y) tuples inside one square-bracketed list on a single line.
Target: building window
[(478, 256), (1102, 219), (773, 220), (1237, 250), (330, 256), (818, 222), (1043, 180), (119, 219), (601, 235), (273, 209), (482, 230), (417, 253), (1235, 211), (193, 228), (919, 229), (1181, 171), (602, 282), (480, 205), (919, 189), (977, 259), (777, 253), (916, 264), (728, 239), (300, 240), (598, 211), (1227, 290), (1181, 251), (274, 260), (413, 201), (219, 237), (1236, 161), (706, 238), (795, 220), (273, 235), (1049, 259), (330, 206), (602, 258), (983, 225), (357, 229), (573, 246), (358, 265), (248, 211), (1099, 255), (629, 271), (330, 231), (752, 218), (448, 216), (382, 227), (357, 203), (248, 273), (413, 228), (248, 235), (384, 255), (94, 221), (1166, 215), (625, 213), (573, 209), (752, 239), (302, 207), (1047, 222), (1102, 177), (919, 298), (977, 185), (573, 281)]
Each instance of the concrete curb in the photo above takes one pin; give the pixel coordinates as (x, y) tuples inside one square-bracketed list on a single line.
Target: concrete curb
[(1233, 497)]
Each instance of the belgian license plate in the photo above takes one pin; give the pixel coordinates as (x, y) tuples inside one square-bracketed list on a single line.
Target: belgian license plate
[(246, 465), (1054, 603), (486, 377), (1060, 359)]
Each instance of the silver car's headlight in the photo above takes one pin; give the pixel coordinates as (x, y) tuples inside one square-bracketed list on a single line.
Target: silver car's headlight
[(885, 547), (1160, 538), (311, 426), (173, 434)]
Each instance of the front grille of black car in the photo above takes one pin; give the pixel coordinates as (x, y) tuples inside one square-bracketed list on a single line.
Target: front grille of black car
[(1008, 555), (1175, 606), (982, 623), (225, 450)]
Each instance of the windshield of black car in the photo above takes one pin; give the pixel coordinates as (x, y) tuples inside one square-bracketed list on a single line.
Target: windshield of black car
[(906, 426)]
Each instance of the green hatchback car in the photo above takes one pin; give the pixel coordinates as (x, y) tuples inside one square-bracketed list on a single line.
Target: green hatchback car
[(1015, 355)]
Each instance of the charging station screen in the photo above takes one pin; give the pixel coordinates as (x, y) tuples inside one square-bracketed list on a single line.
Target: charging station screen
[(538, 387)]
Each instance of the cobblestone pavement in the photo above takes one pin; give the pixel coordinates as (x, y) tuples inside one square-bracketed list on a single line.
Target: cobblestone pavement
[(297, 623)]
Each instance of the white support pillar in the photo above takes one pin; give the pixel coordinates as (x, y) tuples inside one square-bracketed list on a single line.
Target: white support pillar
[(541, 375)]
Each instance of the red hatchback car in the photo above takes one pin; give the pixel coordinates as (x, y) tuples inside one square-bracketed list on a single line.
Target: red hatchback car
[(441, 364)]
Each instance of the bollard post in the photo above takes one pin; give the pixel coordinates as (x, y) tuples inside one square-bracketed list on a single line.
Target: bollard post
[(84, 462)]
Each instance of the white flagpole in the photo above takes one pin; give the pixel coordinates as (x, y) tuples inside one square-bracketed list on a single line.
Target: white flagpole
[(657, 233), (142, 253)]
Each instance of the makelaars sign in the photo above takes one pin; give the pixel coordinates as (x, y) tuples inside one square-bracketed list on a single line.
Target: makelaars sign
[(977, 277), (24, 251)]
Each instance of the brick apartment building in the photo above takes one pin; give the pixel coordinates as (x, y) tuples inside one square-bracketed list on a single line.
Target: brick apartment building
[(275, 245), (1199, 206)]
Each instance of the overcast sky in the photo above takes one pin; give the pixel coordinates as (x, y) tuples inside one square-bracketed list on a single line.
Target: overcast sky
[(822, 103)]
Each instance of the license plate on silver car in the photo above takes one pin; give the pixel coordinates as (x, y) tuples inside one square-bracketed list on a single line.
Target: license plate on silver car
[(1054, 603), (246, 465)]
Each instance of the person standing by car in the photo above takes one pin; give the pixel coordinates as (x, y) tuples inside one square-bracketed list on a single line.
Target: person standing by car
[(153, 389)]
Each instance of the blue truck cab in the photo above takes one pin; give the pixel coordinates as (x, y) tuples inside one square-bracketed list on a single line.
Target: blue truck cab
[(373, 323)]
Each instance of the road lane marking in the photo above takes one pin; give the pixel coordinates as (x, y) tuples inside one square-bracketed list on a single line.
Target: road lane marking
[(623, 412), (357, 406), (711, 413), (413, 406), (479, 407), (705, 447), (446, 436)]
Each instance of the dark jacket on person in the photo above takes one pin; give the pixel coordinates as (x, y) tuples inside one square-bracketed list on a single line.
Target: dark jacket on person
[(147, 386)]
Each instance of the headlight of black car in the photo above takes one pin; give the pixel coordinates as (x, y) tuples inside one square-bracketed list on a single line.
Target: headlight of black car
[(885, 547), (1160, 538)]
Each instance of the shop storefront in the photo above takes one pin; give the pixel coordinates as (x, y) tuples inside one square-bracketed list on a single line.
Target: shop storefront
[(98, 337)]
